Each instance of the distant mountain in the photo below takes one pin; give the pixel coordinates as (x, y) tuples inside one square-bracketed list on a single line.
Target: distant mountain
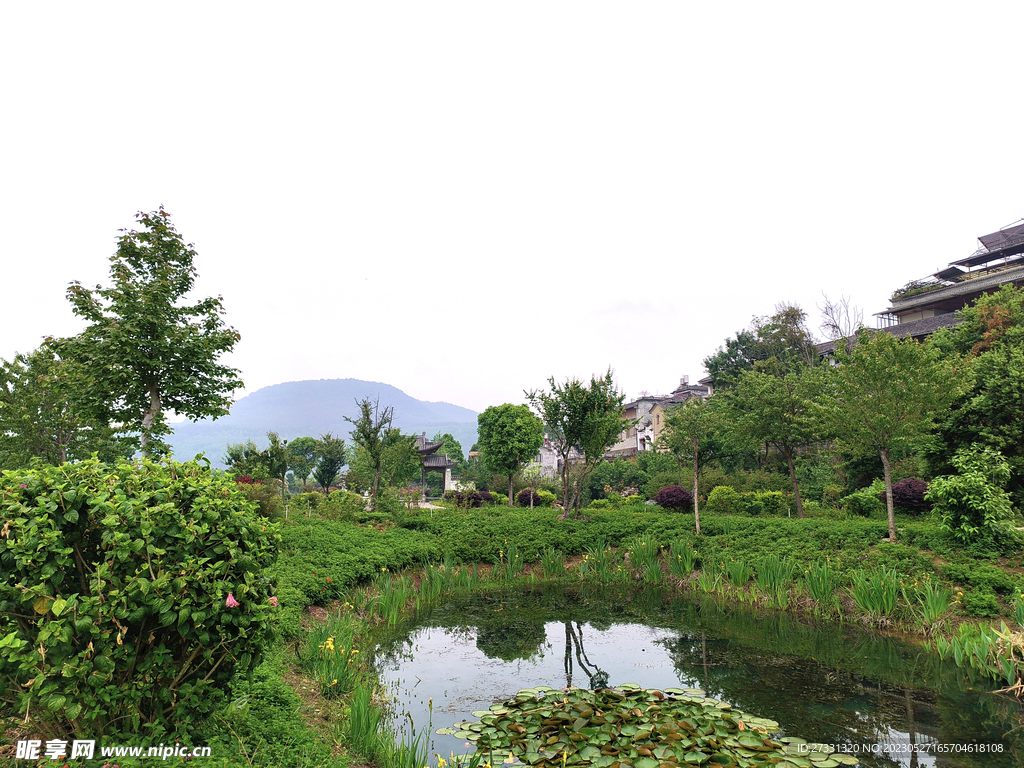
[(300, 408)]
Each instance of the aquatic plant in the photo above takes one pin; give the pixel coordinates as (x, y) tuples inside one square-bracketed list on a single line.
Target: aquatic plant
[(876, 594), (821, 581), (773, 573), (739, 572), (629, 725), (681, 559), (552, 563)]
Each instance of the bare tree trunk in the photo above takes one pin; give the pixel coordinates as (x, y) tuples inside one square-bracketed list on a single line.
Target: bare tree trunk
[(696, 505), (147, 419), (796, 488), (510, 489), (888, 494)]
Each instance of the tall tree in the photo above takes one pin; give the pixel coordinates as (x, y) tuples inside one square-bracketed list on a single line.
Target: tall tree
[(277, 459), (42, 414), (302, 457), (775, 410), (884, 395), (689, 428), (777, 345), (247, 459), (509, 437), (580, 419), (331, 456), (145, 350), (371, 435)]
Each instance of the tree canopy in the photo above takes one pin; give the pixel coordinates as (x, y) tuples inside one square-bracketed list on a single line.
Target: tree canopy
[(42, 414), (583, 421), (884, 395), (777, 345), (331, 455), (145, 351), (509, 437)]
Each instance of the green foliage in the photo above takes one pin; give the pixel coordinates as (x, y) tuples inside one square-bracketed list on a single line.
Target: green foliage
[(884, 396), (266, 498), (645, 558), (371, 434), (972, 503), (330, 655), (145, 584), (821, 581), (552, 563), (302, 454), (43, 414), (144, 351), (991, 334), (774, 572), (980, 604), (724, 500), (866, 502), (933, 603), (584, 418), (775, 410), (739, 572), (777, 345), (876, 594), (682, 559)]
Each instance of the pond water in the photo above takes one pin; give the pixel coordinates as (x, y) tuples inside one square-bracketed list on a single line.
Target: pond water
[(886, 701)]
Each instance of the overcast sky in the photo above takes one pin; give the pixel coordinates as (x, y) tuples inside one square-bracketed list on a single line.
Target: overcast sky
[(463, 199)]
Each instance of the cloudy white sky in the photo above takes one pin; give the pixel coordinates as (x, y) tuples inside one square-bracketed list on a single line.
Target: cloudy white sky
[(463, 199)]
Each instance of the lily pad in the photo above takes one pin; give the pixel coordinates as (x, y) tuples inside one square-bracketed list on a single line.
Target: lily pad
[(632, 727)]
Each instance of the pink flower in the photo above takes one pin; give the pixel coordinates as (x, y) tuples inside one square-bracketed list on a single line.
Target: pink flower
[(231, 602), (273, 601)]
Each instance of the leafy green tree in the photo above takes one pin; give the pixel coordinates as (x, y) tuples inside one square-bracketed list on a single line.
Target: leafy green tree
[(247, 459), (401, 461), (145, 351), (580, 419), (331, 456), (277, 459), (989, 412), (689, 428), (778, 345), (509, 437), (774, 410), (884, 395), (302, 457), (371, 433), (42, 414)]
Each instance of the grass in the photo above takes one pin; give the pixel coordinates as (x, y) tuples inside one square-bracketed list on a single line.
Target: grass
[(876, 594)]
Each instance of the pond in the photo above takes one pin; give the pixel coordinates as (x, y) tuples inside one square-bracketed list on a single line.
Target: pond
[(884, 700)]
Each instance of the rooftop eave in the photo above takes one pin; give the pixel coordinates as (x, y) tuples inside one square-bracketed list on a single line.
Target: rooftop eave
[(965, 288)]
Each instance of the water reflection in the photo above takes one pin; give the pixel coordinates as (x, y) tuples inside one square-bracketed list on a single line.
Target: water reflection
[(827, 683)]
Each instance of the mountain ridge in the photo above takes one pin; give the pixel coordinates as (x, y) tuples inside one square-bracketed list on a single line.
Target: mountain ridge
[(314, 407)]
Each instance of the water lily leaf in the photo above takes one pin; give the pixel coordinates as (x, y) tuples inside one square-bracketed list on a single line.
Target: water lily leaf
[(645, 762), (481, 713), (844, 759), (446, 731), (696, 758), (792, 740)]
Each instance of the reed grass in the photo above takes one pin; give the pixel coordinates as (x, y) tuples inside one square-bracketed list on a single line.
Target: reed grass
[(876, 594), (682, 559)]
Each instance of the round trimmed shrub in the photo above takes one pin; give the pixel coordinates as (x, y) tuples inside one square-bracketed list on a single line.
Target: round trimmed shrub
[(724, 500), (523, 498), (674, 497), (144, 585), (908, 495)]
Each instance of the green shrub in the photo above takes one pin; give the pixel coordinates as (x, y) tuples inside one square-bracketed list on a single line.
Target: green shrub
[(547, 498), (724, 500), (972, 503), (865, 502), (980, 604), (143, 582), (340, 505), (987, 578), (830, 495)]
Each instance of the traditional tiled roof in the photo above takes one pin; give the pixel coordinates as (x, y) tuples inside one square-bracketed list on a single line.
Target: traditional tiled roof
[(918, 329), (438, 462)]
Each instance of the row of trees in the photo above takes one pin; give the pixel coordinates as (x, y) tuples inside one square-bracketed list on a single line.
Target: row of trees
[(874, 395), (379, 456)]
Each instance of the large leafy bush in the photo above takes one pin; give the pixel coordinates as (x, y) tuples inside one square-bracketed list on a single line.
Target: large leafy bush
[(972, 503), (130, 594)]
